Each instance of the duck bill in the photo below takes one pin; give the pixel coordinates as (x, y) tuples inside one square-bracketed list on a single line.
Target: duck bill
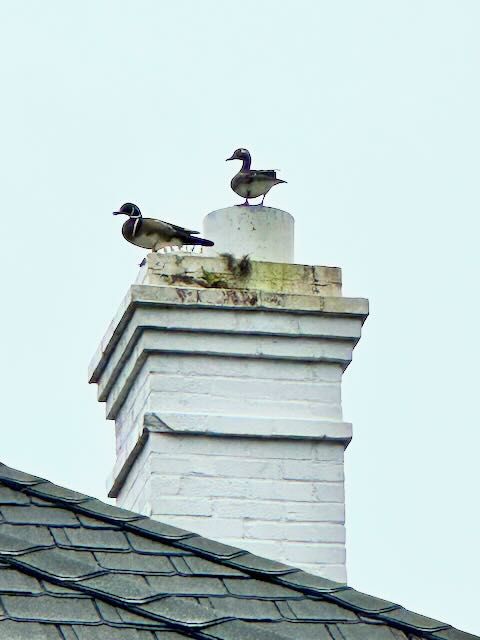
[(231, 158), (117, 213)]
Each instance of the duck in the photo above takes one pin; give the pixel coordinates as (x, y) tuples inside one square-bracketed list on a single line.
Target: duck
[(251, 183), (153, 234)]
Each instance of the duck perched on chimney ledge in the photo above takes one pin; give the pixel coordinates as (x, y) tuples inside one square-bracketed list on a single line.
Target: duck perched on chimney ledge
[(153, 234), (252, 183)]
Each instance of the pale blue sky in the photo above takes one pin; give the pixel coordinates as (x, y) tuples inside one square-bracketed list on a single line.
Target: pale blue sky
[(370, 109)]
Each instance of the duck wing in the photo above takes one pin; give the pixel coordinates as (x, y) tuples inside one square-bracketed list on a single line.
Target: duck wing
[(152, 226), (181, 229), (263, 173)]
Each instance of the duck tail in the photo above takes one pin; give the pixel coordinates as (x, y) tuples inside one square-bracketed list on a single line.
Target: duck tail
[(202, 241)]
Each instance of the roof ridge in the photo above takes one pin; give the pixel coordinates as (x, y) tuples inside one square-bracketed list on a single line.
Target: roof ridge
[(363, 604)]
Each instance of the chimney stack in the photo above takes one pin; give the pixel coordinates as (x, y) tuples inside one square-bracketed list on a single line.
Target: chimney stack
[(223, 376)]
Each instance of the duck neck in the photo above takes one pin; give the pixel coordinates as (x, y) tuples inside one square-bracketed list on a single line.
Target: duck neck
[(247, 161)]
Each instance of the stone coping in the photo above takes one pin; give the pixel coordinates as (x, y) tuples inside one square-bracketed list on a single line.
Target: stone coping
[(225, 299), (203, 272)]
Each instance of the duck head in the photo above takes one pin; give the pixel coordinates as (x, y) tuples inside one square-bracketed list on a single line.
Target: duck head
[(243, 155), (130, 210)]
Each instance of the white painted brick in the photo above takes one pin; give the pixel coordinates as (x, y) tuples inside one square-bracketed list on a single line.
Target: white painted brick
[(215, 466), (301, 532), (314, 532), (164, 486), (329, 492), (299, 470), (258, 509), (164, 464), (278, 490), (185, 366), (251, 388), (246, 448), (190, 402), (183, 506), (265, 530), (314, 553), (315, 511), (241, 468), (328, 452)]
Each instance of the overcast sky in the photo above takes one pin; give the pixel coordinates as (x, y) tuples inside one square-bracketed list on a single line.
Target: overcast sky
[(371, 111)]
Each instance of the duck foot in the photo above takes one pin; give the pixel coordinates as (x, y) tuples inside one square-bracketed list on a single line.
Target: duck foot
[(143, 262)]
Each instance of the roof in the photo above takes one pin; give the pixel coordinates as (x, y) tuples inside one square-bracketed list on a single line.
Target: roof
[(75, 568)]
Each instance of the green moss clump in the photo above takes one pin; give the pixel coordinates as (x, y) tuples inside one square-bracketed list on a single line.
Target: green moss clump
[(213, 280)]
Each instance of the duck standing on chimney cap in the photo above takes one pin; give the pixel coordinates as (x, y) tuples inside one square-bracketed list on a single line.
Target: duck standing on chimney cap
[(155, 234), (251, 183)]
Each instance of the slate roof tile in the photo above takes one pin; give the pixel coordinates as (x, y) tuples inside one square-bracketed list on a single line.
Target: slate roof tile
[(108, 612), (111, 633), (14, 630), (364, 602), (319, 609), (63, 564), (147, 545), (18, 477), (60, 537), (135, 562), (13, 581), (49, 490), (252, 587), (15, 545), (168, 635), (235, 629), (163, 530), (94, 507), (52, 587), (419, 622), (247, 609), (365, 632), (211, 547), (51, 516), (10, 496), (183, 610), (127, 587), (50, 609), (298, 630), (95, 539), (187, 586), (92, 523), (316, 584), (263, 565), (200, 566), (181, 566), (32, 536)]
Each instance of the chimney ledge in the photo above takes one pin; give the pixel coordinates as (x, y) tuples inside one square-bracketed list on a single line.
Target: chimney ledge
[(238, 427)]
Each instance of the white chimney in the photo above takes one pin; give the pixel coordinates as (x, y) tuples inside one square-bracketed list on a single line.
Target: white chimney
[(224, 378)]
